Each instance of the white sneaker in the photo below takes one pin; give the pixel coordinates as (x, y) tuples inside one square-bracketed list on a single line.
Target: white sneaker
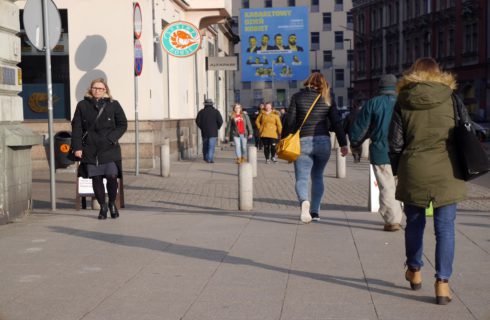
[(305, 212)]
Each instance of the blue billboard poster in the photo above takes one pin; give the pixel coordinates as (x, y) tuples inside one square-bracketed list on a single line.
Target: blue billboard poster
[(35, 99), (275, 44)]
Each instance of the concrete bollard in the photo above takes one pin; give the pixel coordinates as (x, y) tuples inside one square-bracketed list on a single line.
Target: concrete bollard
[(252, 159), (373, 200), (165, 158), (365, 149), (245, 187), (95, 204), (333, 140), (341, 165)]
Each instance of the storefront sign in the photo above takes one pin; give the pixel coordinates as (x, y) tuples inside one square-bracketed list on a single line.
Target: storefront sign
[(180, 39), (222, 63)]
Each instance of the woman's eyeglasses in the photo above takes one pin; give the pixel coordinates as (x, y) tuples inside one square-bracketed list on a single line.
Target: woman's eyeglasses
[(97, 89)]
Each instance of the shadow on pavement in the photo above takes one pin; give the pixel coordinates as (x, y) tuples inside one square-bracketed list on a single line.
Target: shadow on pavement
[(223, 257)]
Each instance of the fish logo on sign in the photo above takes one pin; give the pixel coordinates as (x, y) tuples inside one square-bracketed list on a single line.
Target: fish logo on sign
[(180, 39)]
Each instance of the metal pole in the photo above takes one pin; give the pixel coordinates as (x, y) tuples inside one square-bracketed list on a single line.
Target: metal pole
[(50, 106), (136, 128)]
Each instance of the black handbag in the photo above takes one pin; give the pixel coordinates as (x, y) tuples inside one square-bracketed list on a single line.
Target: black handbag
[(473, 160)]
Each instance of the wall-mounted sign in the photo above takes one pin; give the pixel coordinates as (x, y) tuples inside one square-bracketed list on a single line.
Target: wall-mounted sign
[(180, 39), (222, 63), (137, 20), (138, 57), (274, 46)]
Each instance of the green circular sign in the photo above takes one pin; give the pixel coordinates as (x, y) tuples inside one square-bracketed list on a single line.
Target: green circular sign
[(180, 39)]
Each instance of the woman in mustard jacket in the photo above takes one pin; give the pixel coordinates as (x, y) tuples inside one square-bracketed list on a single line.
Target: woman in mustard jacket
[(270, 127)]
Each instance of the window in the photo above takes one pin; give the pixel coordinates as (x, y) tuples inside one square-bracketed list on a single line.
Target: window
[(339, 5), (427, 6), (427, 44), (340, 101), (245, 4), (408, 51), (315, 40), (327, 59), (291, 3), (268, 84), (339, 40), (350, 57), (258, 97), (440, 44), (360, 24), (350, 21), (268, 3), (373, 19), (451, 43), (315, 5), (246, 85), (339, 78), (34, 74), (293, 84), (471, 38), (327, 21), (408, 9)]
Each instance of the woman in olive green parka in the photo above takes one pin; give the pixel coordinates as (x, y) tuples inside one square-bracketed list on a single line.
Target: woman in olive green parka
[(423, 155)]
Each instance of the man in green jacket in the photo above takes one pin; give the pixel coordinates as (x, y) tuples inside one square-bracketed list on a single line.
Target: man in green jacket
[(374, 120)]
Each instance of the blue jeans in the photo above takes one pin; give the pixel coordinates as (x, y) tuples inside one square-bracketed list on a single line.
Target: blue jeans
[(444, 228), (240, 146), (208, 144), (315, 152)]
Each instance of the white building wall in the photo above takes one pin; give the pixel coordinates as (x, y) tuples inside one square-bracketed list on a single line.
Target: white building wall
[(101, 45)]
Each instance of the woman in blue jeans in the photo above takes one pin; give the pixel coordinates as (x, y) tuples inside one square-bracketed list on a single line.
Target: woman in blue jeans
[(423, 156), (315, 141)]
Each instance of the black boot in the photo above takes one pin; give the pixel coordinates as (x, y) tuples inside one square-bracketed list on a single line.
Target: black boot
[(113, 210), (103, 211)]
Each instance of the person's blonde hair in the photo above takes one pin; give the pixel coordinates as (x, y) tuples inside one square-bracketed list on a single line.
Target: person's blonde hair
[(317, 81), (107, 93), (233, 113)]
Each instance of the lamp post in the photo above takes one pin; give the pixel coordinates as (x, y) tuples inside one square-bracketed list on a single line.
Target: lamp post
[(349, 91)]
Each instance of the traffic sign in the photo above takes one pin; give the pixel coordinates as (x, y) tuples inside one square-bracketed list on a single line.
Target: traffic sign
[(138, 57), (34, 26), (137, 20)]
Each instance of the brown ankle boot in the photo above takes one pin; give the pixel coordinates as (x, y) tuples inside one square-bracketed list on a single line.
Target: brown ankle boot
[(244, 160), (238, 160), (414, 276), (443, 294)]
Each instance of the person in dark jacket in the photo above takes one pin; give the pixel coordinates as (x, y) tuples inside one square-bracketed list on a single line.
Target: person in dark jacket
[(209, 120), (423, 154), (375, 117), (356, 151), (315, 141), (97, 125)]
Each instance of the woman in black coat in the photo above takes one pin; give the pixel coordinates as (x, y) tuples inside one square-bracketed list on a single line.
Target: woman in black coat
[(97, 125)]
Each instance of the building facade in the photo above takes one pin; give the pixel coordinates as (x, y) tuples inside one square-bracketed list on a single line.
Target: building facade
[(391, 35), (97, 40), (330, 40)]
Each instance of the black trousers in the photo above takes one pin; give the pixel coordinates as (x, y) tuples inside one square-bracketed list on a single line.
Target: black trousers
[(269, 147), (99, 190)]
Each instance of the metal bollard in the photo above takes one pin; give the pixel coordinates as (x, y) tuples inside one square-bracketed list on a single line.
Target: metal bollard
[(365, 149), (165, 158), (341, 164), (252, 159), (245, 187)]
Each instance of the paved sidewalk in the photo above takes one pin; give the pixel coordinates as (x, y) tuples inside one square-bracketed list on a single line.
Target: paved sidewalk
[(181, 250)]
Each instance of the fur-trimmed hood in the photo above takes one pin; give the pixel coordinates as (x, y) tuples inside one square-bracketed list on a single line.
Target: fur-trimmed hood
[(416, 77), (421, 90)]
